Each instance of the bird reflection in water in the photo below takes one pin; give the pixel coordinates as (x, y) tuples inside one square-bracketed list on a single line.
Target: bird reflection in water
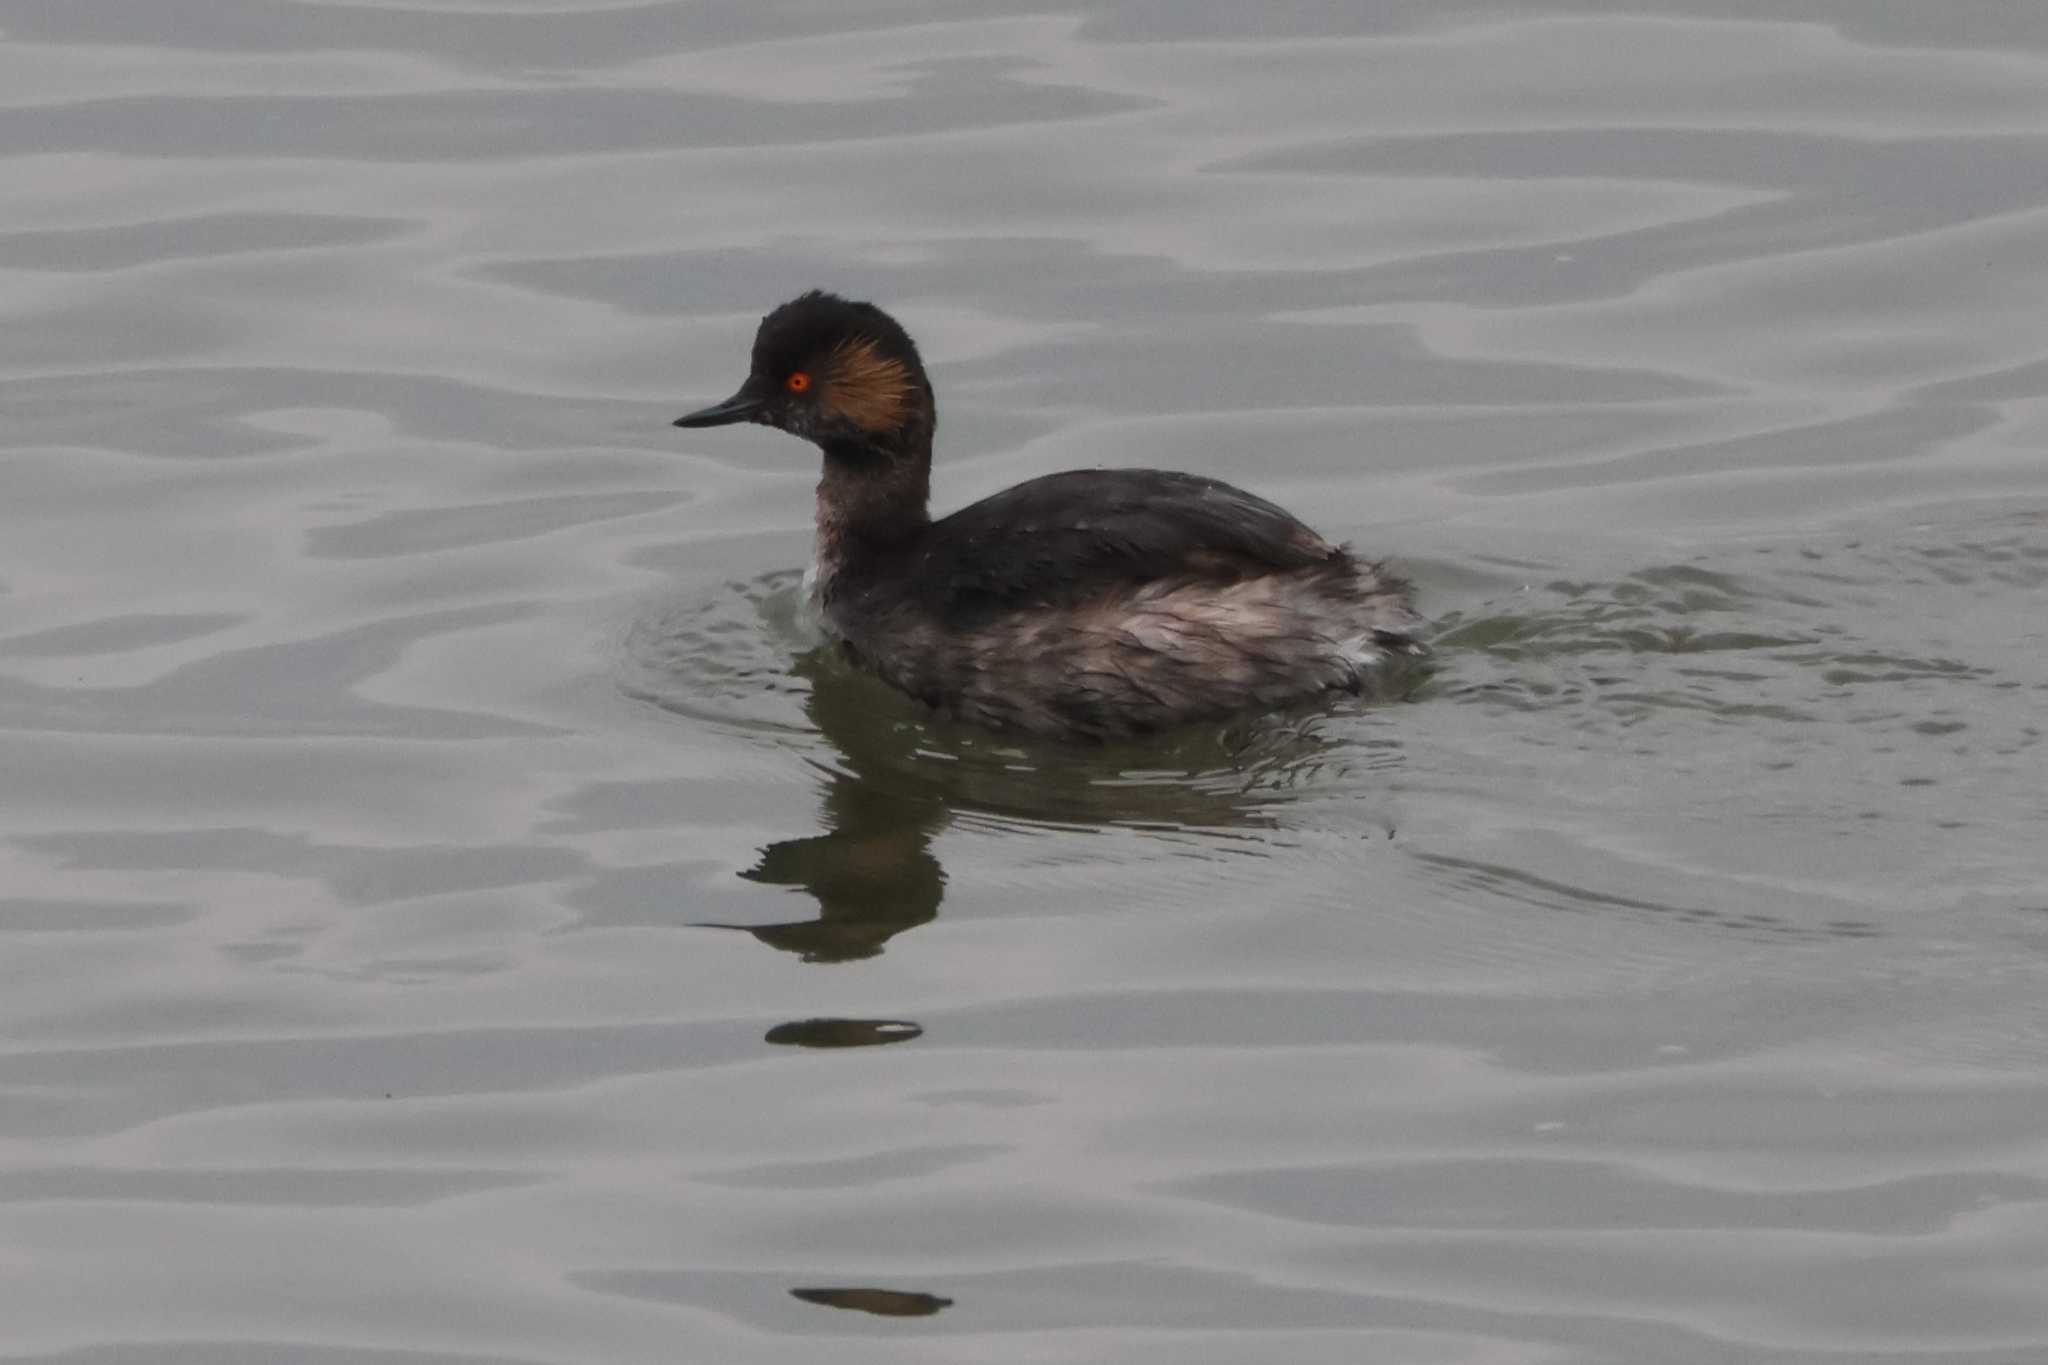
[(897, 782), (901, 776)]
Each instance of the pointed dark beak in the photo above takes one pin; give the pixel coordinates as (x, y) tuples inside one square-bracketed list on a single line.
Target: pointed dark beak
[(743, 406)]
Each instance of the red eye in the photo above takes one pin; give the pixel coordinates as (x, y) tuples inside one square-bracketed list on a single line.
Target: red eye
[(799, 382)]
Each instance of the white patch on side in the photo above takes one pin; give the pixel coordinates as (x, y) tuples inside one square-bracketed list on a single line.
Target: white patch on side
[(1360, 650)]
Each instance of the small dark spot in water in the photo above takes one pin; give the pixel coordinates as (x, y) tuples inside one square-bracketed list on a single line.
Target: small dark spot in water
[(843, 1032), (887, 1303), (1916, 782)]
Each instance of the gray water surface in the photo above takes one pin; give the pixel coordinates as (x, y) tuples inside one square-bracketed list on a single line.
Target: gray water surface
[(450, 911)]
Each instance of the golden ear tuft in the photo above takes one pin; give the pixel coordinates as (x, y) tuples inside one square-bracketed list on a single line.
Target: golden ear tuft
[(866, 387)]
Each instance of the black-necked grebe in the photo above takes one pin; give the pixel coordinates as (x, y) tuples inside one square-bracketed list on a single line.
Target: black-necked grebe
[(1097, 603)]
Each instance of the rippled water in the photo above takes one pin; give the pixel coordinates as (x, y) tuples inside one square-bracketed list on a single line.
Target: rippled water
[(450, 913)]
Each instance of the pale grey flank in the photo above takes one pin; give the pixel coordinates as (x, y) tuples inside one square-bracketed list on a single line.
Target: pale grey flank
[(451, 911)]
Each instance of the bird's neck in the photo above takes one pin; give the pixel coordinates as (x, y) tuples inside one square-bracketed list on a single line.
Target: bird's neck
[(874, 498)]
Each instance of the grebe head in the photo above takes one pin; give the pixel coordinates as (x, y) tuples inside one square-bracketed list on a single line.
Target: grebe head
[(841, 374)]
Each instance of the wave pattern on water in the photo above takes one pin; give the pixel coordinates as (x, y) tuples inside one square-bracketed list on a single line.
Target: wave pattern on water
[(443, 877)]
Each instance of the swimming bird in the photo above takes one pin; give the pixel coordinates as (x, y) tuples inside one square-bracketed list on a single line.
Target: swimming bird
[(1094, 604)]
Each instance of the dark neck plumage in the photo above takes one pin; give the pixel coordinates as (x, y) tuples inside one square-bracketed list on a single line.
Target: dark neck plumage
[(874, 497)]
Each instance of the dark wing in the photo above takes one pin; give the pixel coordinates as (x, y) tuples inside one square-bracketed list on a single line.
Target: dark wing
[(1066, 537)]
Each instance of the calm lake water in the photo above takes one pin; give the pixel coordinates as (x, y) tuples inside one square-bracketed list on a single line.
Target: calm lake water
[(450, 914)]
